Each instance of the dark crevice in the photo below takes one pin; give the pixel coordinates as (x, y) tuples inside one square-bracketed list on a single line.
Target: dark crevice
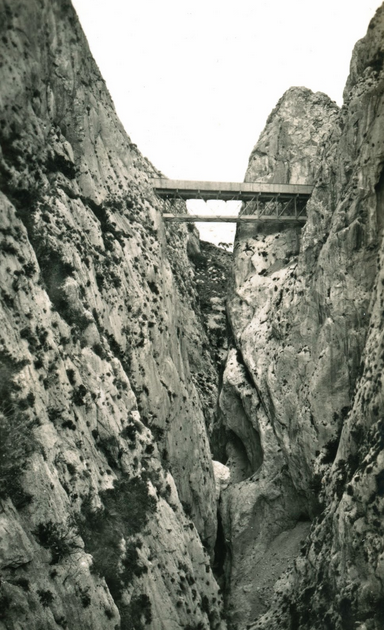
[(220, 554), (247, 373)]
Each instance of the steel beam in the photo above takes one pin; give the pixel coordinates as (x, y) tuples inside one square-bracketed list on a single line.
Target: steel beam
[(244, 218), (227, 191)]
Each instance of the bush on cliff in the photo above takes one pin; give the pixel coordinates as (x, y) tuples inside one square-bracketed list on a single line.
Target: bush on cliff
[(107, 532), (17, 443)]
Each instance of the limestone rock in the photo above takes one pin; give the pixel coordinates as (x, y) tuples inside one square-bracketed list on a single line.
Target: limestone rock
[(257, 401), (100, 340), (222, 474), (300, 119), (212, 270), (15, 548), (304, 313)]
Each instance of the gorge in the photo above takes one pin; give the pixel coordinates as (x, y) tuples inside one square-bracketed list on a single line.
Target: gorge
[(179, 452)]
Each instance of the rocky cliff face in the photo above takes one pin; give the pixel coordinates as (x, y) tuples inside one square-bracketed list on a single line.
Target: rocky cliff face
[(212, 269), (302, 392), (265, 508), (108, 385), (289, 147), (103, 421)]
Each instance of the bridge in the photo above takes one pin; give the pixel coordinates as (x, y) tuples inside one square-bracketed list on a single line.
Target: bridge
[(270, 202)]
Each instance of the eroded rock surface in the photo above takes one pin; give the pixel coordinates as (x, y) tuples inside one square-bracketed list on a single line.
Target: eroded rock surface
[(103, 428), (263, 500), (287, 151), (302, 393)]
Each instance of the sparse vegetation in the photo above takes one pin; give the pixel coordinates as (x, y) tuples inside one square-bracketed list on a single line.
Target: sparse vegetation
[(71, 376), (60, 539), (126, 510), (136, 614), (110, 446), (78, 395), (22, 582), (129, 433), (46, 597), (85, 600), (68, 424), (17, 443)]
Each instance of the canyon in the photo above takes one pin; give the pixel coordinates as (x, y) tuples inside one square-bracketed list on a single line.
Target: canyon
[(189, 439)]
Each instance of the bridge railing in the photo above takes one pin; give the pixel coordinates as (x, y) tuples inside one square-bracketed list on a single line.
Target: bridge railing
[(264, 201)]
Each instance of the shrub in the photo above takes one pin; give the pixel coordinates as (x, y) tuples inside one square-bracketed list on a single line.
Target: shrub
[(28, 334), (68, 424), (22, 582), (129, 432), (71, 376), (46, 597), (71, 468), (153, 287), (54, 413), (59, 539), (132, 615), (131, 563), (205, 604), (29, 269), (85, 600), (78, 395), (17, 443), (99, 350), (157, 432), (133, 501), (187, 508), (127, 507), (8, 248), (116, 281), (100, 280), (110, 447)]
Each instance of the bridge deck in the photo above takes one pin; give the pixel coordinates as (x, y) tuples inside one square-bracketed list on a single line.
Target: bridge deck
[(241, 191), (244, 218)]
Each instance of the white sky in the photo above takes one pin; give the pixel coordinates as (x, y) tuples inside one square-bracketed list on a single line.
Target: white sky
[(193, 81)]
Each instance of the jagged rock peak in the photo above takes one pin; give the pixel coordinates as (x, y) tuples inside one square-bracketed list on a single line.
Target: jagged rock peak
[(287, 150), (367, 57)]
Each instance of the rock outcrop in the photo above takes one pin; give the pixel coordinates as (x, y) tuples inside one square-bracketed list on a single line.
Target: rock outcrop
[(302, 392), (103, 424), (289, 147), (111, 342), (264, 508), (213, 269)]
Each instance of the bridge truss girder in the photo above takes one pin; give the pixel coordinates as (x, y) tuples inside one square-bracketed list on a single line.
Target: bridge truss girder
[(265, 207)]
